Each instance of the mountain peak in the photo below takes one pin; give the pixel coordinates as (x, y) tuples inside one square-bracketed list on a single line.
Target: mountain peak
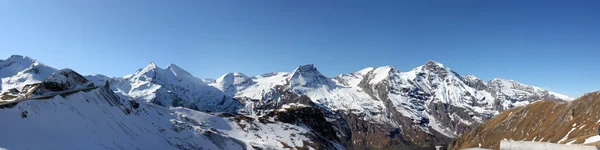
[(152, 65), (306, 68), (173, 66), (381, 73), (16, 57), (308, 76), (20, 58), (176, 70), (230, 82), (64, 79), (432, 63)]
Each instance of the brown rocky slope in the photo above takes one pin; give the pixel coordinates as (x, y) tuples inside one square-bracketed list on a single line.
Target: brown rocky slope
[(542, 121)]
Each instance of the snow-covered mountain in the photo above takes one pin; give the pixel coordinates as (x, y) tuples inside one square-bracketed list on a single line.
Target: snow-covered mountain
[(432, 97), (67, 111), (171, 86), (18, 71), (373, 108)]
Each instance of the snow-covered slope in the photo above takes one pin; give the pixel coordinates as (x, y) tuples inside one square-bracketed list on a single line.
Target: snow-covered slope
[(18, 71), (100, 119)]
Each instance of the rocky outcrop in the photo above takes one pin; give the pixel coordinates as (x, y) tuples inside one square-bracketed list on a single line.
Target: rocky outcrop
[(324, 134), (65, 79)]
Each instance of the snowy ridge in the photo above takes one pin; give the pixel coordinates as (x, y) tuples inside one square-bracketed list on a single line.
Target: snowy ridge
[(510, 90), (100, 119)]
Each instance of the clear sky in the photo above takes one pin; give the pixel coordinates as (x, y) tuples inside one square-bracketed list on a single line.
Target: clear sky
[(553, 45)]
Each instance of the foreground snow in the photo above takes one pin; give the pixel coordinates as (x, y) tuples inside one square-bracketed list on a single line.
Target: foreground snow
[(526, 145), (592, 139), (100, 119)]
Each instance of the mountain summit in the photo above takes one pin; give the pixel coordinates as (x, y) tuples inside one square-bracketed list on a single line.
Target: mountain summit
[(307, 76)]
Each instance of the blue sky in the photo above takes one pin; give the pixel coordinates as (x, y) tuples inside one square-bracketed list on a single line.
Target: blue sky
[(553, 45)]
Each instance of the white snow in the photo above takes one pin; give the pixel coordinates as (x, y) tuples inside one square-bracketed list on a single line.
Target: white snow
[(567, 135), (87, 120), (263, 84), (379, 74), (592, 139), (232, 83), (526, 145)]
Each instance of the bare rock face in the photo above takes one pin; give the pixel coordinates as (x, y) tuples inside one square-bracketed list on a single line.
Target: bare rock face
[(368, 135)]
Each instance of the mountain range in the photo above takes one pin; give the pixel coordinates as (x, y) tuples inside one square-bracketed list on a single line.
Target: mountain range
[(373, 108)]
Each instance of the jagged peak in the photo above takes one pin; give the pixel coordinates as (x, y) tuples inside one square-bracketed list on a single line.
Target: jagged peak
[(306, 68), (431, 65), (434, 63), (308, 76), (152, 65)]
